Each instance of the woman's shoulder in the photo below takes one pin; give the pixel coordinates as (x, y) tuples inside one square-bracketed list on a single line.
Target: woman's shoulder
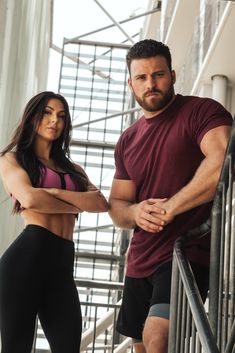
[(8, 157), (79, 169), (9, 163)]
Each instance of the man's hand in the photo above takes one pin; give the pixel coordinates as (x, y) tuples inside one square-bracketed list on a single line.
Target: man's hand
[(166, 204), (149, 215)]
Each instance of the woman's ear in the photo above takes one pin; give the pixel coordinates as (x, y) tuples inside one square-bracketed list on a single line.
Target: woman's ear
[(173, 75)]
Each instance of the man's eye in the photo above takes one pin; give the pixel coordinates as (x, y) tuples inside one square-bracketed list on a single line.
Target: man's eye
[(159, 74)]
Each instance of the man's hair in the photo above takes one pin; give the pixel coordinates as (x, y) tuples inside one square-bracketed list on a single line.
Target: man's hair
[(148, 48)]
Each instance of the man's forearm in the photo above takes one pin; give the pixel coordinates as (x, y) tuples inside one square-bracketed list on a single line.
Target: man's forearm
[(199, 190), (122, 213)]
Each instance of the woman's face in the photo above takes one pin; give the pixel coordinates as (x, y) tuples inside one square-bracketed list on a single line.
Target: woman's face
[(52, 123)]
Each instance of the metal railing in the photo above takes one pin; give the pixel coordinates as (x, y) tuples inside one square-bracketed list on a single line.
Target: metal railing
[(191, 328), (99, 334), (222, 273), (99, 321)]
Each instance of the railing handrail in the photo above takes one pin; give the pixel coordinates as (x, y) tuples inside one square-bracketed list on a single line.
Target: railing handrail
[(194, 299), (205, 328), (89, 283), (216, 225)]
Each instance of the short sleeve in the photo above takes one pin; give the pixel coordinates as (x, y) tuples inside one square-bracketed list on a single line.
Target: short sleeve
[(121, 172), (207, 114)]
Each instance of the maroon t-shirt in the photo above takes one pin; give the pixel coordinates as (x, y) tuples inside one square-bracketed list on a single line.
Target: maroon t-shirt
[(161, 155)]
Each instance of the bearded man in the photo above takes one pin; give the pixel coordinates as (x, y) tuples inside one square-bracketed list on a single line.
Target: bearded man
[(167, 167)]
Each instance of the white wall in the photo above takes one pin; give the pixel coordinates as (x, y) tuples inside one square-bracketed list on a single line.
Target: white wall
[(24, 51)]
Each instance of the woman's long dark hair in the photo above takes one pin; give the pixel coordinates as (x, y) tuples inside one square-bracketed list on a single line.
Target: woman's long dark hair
[(22, 143)]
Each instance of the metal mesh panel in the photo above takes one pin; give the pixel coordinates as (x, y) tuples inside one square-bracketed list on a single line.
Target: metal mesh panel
[(93, 80)]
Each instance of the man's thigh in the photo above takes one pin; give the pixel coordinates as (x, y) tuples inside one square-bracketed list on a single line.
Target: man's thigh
[(138, 296), (161, 281), (135, 306)]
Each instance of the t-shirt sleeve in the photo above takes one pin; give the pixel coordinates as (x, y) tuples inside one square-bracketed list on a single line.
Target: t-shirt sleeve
[(208, 114), (120, 172)]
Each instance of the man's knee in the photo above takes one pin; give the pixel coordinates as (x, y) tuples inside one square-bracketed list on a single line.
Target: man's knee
[(138, 346), (155, 334)]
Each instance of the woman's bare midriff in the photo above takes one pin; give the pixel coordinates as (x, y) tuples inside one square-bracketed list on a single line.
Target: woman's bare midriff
[(59, 224)]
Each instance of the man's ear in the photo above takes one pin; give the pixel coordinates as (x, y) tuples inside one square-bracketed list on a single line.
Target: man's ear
[(130, 84)]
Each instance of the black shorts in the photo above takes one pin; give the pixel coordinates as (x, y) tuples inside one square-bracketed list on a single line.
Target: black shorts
[(141, 293)]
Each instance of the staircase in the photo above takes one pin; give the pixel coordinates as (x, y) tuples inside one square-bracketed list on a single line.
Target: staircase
[(193, 329), (93, 80)]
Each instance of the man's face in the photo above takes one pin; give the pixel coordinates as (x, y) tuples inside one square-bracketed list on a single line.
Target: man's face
[(152, 84)]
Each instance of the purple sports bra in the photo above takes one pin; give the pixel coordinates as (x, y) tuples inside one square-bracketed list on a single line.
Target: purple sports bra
[(51, 178)]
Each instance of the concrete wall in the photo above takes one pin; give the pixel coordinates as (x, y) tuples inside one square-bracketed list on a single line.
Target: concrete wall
[(24, 52)]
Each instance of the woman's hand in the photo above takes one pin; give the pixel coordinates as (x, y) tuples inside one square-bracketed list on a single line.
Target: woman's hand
[(51, 191), (90, 201), (55, 192)]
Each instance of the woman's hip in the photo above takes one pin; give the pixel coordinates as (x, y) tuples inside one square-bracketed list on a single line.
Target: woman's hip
[(38, 247)]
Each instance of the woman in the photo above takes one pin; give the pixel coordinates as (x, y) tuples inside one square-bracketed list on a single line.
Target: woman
[(48, 190)]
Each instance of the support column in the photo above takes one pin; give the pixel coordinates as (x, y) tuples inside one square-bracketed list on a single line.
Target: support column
[(24, 52), (220, 88)]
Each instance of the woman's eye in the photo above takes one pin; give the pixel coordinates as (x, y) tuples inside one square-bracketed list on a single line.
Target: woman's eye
[(61, 117), (47, 112)]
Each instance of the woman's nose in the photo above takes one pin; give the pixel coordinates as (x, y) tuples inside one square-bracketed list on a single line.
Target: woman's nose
[(54, 118)]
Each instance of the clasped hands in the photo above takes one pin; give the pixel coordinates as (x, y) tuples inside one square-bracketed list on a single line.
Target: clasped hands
[(153, 214)]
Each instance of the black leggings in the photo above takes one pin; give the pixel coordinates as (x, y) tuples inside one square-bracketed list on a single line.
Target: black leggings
[(36, 278)]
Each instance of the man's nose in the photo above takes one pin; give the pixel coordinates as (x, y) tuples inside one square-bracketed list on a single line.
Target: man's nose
[(150, 82)]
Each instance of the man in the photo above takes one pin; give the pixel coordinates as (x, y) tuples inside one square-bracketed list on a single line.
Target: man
[(167, 168)]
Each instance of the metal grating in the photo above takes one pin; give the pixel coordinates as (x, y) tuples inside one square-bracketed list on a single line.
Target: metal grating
[(93, 80)]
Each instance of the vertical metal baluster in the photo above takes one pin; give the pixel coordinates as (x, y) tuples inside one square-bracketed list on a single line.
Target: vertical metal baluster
[(188, 329)]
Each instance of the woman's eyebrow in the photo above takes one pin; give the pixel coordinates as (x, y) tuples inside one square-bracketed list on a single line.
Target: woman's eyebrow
[(61, 111)]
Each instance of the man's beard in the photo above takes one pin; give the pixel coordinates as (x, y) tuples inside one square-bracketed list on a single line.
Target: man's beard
[(159, 102)]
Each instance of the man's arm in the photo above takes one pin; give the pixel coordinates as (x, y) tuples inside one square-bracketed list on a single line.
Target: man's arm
[(201, 188), (152, 214), (125, 213)]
